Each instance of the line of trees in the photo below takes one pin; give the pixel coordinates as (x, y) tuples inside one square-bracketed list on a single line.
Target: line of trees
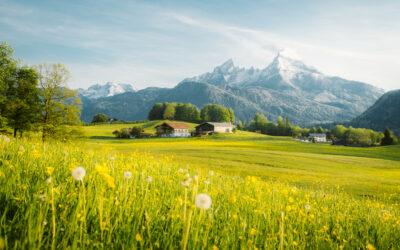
[(338, 134), (282, 127), (190, 113), (361, 136), (36, 98)]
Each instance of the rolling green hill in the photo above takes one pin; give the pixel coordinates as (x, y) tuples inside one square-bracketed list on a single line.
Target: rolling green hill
[(385, 113)]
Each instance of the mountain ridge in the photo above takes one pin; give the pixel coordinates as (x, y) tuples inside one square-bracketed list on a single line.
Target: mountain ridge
[(286, 87)]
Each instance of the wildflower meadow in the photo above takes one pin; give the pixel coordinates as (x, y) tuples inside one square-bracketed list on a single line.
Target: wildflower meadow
[(60, 195)]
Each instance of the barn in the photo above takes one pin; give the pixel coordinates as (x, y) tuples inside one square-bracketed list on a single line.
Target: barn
[(173, 129), (208, 128)]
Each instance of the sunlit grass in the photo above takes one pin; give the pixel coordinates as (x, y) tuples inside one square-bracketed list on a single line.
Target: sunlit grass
[(155, 207), (369, 171)]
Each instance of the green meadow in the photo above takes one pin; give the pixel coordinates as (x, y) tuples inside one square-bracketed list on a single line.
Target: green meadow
[(364, 171), (236, 191)]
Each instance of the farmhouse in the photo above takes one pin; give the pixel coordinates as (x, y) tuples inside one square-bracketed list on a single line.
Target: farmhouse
[(317, 137), (208, 128), (173, 129)]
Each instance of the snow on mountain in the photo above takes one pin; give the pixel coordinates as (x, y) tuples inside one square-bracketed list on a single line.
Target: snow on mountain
[(283, 66), (108, 89)]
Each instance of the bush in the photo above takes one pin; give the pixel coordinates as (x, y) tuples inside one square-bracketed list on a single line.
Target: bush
[(100, 118), (136, 131), (389, 138), (123, 133)]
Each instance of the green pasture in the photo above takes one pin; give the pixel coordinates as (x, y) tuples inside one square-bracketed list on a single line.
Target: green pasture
[(371, 171)]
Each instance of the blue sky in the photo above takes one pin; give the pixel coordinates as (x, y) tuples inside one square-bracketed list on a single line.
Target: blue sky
[(159, 43)]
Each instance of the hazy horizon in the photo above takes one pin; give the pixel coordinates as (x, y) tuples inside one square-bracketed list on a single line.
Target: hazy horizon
[(162, 42)]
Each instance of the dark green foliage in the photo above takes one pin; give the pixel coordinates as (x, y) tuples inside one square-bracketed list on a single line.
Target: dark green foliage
[(169, 111), (123, 133), (389, 138), (355, 136), (100, 118), (19, 100), (281, 128), (136, 131), (216, 113), (190, 113), (23, 102)]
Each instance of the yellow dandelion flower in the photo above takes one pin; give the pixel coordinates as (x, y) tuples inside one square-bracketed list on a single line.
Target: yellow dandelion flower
[(49, 170), (215, 247), (370, 247), (291, 200), (253, 231), (295, 243), (138, 238)]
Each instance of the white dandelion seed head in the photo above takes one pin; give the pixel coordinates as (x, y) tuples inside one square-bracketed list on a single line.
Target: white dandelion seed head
[(127, 174), (33, 146), (149, 179), (180, 170), (45, 223), (207, 182), (187, 175), (308, 207), (6, 139), (112, 158), (42, 197), (186, 182), (211, 173), (78, 173), (195, 177), (203, 201), (48, 180), (62, 229), (21, 148)]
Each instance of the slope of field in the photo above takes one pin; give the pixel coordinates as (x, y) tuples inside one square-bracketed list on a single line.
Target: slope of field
[(363, 171)]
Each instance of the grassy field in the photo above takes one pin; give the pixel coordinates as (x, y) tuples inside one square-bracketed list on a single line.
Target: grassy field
[(373, 171), (239, 191), (128, 199)]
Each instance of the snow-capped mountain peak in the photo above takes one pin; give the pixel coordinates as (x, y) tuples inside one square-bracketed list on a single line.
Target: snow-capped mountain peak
[(286, 66), (108, 89)]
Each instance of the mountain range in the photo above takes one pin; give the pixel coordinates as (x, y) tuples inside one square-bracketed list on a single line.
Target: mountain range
[(106, 90), (286, 87)]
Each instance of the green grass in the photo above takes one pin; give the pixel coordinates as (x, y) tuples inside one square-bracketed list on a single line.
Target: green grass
[(108, 211), (371, 171)]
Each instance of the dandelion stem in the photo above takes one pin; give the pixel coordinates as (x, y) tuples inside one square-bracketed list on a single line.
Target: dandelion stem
[(184, 207), (186, 235), (207, 232), (53, 211), (282, 229), (84, 210)]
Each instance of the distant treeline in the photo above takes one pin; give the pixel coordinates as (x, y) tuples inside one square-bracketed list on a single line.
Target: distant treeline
[(282, 127), (361, 136), (190, 113), (337, 134)]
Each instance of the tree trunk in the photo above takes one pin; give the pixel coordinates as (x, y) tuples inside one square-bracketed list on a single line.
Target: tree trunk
[(15, 132)]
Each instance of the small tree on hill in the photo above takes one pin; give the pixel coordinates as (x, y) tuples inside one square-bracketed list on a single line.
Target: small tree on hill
[(100, 118), (389, 138), (136, 131)]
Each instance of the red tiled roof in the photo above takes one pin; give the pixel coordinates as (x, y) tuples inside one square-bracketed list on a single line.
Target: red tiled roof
[(176, 125)]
